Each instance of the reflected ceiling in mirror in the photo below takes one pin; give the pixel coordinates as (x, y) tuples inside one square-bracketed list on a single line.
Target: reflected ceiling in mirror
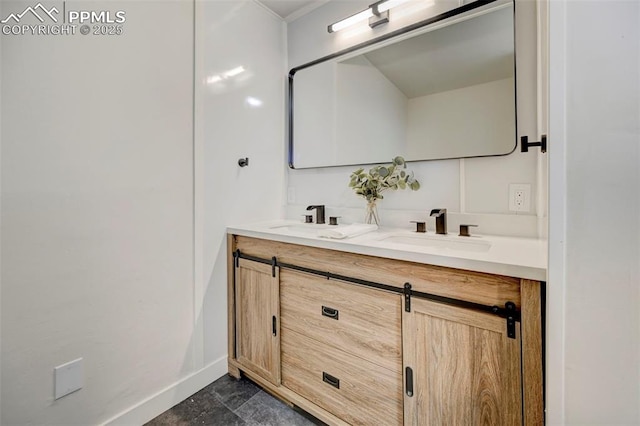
[(445, 91)]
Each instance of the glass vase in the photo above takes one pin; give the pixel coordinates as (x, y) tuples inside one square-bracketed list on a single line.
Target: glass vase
[(371, 214)]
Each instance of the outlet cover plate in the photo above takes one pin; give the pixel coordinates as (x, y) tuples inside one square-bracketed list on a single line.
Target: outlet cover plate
[(520, 197), (68, 378)]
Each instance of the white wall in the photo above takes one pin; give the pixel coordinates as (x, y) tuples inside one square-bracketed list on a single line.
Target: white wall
[(315, 121), (347, 111), (230, 34), (470, 186), (467, 121), (97, 213), (109, 200), (370, 109), (594, 350)]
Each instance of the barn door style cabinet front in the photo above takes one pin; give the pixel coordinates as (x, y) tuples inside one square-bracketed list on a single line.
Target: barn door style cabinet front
[(257, 300), (461, 367), (363, 340)]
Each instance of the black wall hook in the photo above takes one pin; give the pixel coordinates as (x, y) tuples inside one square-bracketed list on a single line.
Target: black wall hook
[(243, 162), (525, 144)]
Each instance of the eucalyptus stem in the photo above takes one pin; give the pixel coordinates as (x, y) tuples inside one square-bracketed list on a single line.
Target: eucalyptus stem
[(381, 178)]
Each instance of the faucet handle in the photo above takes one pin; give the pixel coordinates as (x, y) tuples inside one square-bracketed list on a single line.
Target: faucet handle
[(308, 218), (420, 226), (319, 212), (333, 220), (464, 230)]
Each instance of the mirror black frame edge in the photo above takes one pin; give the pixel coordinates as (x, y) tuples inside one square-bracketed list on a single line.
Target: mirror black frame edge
[(420, 24)]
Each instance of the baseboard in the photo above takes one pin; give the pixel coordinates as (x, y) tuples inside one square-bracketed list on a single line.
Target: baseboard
[(153, 406)]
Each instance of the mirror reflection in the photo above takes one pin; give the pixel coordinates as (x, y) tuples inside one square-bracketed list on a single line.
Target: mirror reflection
[(448, 92)]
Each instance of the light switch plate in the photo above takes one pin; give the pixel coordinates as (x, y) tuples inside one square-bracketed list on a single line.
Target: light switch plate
[(68, 378)]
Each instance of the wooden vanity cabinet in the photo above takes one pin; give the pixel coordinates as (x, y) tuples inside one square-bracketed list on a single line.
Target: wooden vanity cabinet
[(350, 351), (257, 318), (342, 347), (461, 368)]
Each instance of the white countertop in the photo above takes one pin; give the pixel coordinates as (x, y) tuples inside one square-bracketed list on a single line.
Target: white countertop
[(509, 256)]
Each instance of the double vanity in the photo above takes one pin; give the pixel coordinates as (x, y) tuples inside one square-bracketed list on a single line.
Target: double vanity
[(391, 327)]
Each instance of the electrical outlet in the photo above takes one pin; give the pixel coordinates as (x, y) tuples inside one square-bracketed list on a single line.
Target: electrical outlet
[(291, 195), (519, 197)]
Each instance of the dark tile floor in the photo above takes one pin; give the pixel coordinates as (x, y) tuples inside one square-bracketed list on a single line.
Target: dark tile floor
[(228, 401)]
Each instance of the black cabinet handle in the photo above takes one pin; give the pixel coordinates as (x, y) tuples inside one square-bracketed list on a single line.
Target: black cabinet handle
[(274, 329), (333, 381), (330, 312), (409, 381)]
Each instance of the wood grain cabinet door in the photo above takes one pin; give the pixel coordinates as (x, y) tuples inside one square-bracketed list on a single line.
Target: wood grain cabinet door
[(257, 301), (460, 367)]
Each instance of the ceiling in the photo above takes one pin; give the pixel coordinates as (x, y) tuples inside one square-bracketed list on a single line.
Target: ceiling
[(292, 9)]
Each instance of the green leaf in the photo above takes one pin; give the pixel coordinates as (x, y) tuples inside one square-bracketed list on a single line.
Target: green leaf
[(382, 177)]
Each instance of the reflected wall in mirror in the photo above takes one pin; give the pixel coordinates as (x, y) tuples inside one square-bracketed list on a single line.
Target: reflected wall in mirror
[(447, 91)]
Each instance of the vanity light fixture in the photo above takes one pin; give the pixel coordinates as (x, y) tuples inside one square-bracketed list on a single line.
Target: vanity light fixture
[(377, 14), (353, 19), (383, 6)]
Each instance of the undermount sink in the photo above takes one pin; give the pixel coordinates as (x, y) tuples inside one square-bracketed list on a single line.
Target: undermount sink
[(304, 228), (440, 242)]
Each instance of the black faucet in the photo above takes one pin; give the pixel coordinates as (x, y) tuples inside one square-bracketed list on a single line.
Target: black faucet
[(319, 213), (441, 220)]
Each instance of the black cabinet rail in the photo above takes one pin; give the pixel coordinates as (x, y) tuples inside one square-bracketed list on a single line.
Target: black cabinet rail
[(508, 312)]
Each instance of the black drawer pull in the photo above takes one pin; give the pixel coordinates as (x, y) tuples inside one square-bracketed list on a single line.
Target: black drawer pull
[(274, 326), (330, 312), (409, 381), (328, 378)]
